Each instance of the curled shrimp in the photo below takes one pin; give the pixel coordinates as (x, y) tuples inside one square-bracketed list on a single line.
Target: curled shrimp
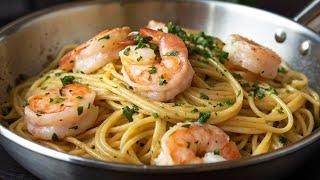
[(196, 143), (162, 79), (252, 56), (58, 113), (98, 51)]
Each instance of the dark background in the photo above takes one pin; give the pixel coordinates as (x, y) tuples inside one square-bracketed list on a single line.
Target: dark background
[(13, 9)]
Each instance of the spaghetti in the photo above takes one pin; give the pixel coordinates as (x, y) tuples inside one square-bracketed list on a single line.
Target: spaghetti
[(259, 116)]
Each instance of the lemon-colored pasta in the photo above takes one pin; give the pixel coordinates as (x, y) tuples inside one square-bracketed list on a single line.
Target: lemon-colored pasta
[(256, 125)]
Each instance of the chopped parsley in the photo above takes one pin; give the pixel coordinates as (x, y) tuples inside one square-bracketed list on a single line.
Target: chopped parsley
[(228, 102), (199, 44), (67, 80), (140, 41), (56, 100), (216, 152), (79, 97), (194, 110), (172, 53), (155, 115), (74, 127), (5, 110), (186, 125), (239, 92), (219, 104), (282, 70), (178, 103), (153, 47), (128, 112), (126, 51), (139, 58), (57, 74), (135, 108), (237, 75), (203, 117), (280, 110), (80, 110), (204, 96), (258, 91), (271, 90), (162, 81), (54, 137), (152, 70), (260, 94), (106, 37), (25, 103), (283, 139)]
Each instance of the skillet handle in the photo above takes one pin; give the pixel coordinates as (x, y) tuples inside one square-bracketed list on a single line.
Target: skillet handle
[(310, 16)]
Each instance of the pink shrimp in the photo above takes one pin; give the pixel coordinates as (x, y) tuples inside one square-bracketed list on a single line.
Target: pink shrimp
[(196, 143), (58, 113), (98, 51), (159, 80), (252, 56)]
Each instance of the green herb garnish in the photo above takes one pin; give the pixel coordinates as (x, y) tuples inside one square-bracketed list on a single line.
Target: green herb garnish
[(67, 80), (126, 51), (105, 37), (203, 117), (80, 110), (283, 139), (54, 137), (155, 115), (228, 102), (204, 96), (5, 110), (282, 70), (178, 103), (186, 125), (194, 110), (199, 44), (162, 81), (216, 152), (237, 75), (280, 110), (74, 127), (152, 70), (139, 58), (25, 103), (128, 112), (172, 53)]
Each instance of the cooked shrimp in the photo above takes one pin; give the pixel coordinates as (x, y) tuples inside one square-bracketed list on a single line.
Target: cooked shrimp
[(196, 143), (58, 113), (159, 80), (157, 25), (252, 56), (96, 52)]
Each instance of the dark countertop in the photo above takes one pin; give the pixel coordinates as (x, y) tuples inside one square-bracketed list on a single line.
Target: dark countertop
[(11, 170)]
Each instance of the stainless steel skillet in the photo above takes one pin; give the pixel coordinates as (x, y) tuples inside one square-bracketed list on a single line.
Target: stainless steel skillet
[(27, 45)]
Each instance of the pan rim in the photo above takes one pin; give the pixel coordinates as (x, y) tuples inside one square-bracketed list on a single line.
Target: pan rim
[(150, 169)]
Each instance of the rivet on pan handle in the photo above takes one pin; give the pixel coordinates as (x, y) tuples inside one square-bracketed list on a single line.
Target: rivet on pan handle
[(310, 16)]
